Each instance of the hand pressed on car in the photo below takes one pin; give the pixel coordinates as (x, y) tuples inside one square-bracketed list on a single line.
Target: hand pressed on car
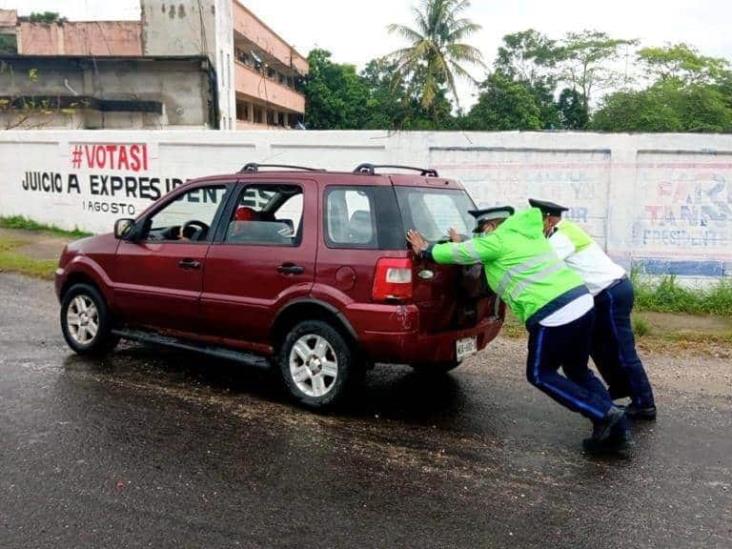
[(417, 241)]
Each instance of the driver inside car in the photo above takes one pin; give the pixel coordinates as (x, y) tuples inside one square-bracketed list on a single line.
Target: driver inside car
[(243, 216)]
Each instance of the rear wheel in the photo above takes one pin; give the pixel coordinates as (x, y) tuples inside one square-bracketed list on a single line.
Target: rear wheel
[(85, 321), (435, 368), (317, 364)]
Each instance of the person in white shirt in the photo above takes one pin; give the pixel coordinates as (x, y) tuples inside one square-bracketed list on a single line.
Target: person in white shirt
[(613, 345)]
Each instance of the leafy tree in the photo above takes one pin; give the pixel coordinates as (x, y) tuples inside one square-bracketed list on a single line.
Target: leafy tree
[(335, 96), (587, 61), (394, 101), (505, 104), (637, 111), (437, 53), (684, 63), (529, 56), (572, 109), (704, 109), (690, 92), (666, 106)]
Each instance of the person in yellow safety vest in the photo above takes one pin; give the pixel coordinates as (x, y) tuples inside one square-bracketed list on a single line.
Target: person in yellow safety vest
[(523, 270), (613, 345)]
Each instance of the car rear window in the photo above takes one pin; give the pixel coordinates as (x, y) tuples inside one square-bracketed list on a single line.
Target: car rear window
[(433, 212)]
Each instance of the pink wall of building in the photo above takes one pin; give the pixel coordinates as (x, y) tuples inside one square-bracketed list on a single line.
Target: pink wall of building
[(8, 18), (248, 25), (80, 38)]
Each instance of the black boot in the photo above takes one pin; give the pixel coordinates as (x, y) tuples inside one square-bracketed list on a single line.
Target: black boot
[(609, 435), (601, 429), (636, 413)]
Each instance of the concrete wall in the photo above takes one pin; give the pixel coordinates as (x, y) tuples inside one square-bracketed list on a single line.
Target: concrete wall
[(181, 85), (80, 38), (660, 201), (195, 27)]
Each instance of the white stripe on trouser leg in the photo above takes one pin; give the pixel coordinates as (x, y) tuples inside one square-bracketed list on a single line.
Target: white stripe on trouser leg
[(541, 383)]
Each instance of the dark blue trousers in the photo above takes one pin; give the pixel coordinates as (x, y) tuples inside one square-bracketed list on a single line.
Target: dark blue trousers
[(567, 347), (613, 345)]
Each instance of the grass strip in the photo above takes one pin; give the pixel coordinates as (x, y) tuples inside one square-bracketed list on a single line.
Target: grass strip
[(13, 261), (20, 222), (666, 295)]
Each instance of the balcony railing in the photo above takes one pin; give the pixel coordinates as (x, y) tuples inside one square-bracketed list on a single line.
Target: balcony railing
[(253, 84)]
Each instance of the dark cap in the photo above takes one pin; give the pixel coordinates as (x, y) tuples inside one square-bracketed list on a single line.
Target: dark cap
[(548, 208), (489, 214)]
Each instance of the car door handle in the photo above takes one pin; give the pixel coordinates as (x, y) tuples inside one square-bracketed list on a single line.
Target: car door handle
[(291, 268), (189, 264)]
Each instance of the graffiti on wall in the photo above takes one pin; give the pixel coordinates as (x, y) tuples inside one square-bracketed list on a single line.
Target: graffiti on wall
[(683, 206), (110, 178), (577, 180)]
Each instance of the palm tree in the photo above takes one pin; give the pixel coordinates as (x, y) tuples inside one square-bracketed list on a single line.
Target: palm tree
[(437, 54)]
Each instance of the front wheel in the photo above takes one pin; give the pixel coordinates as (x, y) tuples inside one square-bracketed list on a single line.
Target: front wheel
[(317, 364), (85, 321)]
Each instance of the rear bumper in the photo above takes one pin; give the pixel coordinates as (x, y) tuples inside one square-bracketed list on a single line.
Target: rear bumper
[(397, 337)]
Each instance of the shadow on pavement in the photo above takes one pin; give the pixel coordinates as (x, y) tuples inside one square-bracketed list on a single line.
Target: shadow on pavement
[(390, 391)]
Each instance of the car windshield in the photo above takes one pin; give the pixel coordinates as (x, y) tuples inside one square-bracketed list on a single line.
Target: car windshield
[(433, 212)]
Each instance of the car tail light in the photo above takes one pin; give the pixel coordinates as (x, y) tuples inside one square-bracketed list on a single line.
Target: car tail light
[(393, 280)]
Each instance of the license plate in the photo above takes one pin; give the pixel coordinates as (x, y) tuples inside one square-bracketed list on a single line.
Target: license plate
[(466, 347)]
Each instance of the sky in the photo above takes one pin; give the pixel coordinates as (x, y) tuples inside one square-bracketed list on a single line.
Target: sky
[(355, 31)]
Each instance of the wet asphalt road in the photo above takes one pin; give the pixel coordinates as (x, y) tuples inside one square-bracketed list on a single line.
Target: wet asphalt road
[(167, 449)]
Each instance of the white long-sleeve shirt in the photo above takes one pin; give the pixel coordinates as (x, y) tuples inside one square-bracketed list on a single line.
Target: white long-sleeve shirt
[(585, 257)]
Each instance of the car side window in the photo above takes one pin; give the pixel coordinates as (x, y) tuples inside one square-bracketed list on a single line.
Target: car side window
[(188, 218), (349, 218), (267, 215)]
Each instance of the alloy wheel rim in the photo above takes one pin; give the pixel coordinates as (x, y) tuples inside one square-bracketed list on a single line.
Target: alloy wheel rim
[(313, 365), (82, 320)]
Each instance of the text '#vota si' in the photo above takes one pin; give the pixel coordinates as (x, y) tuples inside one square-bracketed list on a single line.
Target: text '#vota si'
[(130, 186)]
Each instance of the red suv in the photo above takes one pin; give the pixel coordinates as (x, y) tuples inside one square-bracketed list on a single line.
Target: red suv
[(303, 269)]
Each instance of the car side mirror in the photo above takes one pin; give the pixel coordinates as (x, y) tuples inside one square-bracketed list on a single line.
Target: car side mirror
[(123, 228)]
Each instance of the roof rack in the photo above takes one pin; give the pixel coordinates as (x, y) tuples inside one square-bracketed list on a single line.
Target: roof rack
[(370, 169), (253, 167)]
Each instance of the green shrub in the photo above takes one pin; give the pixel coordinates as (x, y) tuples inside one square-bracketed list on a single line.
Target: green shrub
[(641, 327), (667, 296)]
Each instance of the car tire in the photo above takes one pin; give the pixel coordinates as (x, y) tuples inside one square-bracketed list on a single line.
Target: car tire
[(318, 365), (435, 368), (85, 321)]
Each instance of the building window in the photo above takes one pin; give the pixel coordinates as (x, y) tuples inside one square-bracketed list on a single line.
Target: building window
[(295, 119), (242, 110)]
